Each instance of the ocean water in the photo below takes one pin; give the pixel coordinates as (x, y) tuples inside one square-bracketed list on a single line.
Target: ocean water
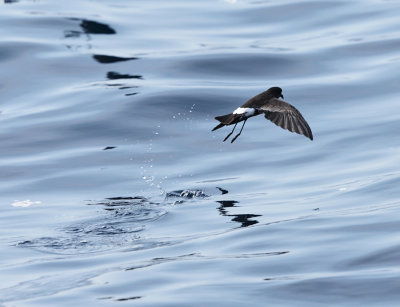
[(114, 190)]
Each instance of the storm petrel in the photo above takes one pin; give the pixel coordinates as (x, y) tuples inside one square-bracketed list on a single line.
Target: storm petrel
[(280, 112)]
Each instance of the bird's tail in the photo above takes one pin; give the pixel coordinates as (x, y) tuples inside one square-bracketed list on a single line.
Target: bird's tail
[(224, 120), (218, 126)]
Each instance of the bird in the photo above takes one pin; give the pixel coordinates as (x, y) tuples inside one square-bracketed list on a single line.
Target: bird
[(280, 112)]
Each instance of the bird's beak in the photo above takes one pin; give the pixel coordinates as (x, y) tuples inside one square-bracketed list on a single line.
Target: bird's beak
[(282, 96)]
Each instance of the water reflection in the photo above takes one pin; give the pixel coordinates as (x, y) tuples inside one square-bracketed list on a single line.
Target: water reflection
[(89, 27), (108, 59), (124, 299), (72, 33), (223, 191), (109, 147), (94, 27), (187, 194), (243, 219), (131, 94), (246, 47), (112, 75), (119, 224), (138, 207)]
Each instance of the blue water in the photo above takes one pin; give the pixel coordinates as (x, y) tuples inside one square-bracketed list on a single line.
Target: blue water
[(113, 188)]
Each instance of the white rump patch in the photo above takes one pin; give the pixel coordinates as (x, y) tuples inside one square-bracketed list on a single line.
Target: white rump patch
[(246, 111)]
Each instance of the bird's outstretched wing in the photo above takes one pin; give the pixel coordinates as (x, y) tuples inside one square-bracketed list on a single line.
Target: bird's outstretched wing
[(286, 116)]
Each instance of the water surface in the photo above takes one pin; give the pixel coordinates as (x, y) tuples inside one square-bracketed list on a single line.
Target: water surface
[(114, 189)]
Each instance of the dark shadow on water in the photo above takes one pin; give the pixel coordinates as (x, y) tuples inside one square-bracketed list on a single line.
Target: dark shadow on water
[(124, 299), (94, 27), (89, 27), (223, 191), (10, 1), (112, 75), (127, 87), (108, 59), (180, 196), (243, 219)]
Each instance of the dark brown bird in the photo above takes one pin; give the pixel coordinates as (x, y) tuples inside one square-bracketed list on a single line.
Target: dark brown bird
[(281, 113)]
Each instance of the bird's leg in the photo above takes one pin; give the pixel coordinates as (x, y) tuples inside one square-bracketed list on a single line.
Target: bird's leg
[(239, 132), (230, 133)]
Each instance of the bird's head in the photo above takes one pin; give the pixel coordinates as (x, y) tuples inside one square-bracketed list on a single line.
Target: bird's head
[(276, 92)]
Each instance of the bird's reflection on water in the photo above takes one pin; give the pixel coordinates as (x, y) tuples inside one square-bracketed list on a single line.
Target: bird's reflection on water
[(109, 59), (243, 219), (125, 219), (91, 28)]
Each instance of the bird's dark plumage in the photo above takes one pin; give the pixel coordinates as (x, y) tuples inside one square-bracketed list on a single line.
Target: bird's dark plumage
[(280, 112)]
